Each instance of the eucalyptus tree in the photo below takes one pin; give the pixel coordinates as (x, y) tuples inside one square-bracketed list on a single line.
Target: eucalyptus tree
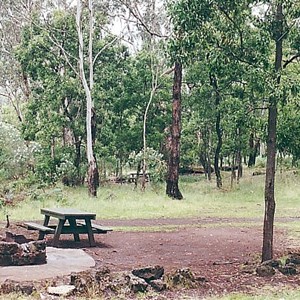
[(288, 134), (150, 21), (127, 90), (58, 106), (234, 29), (281, 21), (14, 16), (218, 36), (88, 86)]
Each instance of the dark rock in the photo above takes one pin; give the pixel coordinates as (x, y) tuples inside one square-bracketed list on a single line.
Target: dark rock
[(15, 254), (137, 284), (5, 260), (10, 286), (265, 271), (288, 269), (82, 281), (272, 263), (293, 258), (17, 238), (149, 273), (102, 273), (158, 285), (182, 277), (9, 248), (119, 283)]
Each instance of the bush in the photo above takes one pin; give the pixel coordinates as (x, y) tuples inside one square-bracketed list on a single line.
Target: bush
[(156, 166), (16, 155)]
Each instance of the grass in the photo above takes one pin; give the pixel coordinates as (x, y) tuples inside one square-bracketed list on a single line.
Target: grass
[(201, 199)]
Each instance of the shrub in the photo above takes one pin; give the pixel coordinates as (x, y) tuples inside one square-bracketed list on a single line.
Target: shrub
[(156, 166), (16, 155)]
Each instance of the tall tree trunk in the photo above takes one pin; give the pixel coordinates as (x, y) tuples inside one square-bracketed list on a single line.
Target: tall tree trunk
[(267, 249), (93, 174), (214, 84), (254, 144), (239, 155), (204, 156), (154, 85), (233, 173), (172, 189), (239, 165), (77, 159)]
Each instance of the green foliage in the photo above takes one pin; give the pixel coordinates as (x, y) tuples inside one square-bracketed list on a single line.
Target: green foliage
[(67, 172), (234, 44), (156, 166), (224, 40), (56, 113), (289, 132), (16, 155)]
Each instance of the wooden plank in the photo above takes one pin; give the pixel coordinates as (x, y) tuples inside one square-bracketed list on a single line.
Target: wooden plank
[(58, 232), (35, 226), (65, 213), (97, 228), (101, 228), (73, 224), (88, 226)]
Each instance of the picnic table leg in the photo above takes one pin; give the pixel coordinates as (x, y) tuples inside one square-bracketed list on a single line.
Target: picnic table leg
[(74, 226), (42, 233), (90, 232), (58, 232)]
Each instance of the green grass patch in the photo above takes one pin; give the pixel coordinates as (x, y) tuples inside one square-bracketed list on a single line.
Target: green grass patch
[(201, 199)]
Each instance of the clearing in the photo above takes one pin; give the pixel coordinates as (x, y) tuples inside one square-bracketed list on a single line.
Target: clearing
[(220, 250)]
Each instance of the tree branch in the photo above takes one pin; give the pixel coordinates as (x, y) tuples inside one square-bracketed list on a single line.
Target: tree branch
[(135, 12), (234, 23), (65, 53), (104, 48), (287, 62), (4, 95)]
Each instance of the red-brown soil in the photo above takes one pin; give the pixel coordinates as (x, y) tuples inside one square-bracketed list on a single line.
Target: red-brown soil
[(211, 248)]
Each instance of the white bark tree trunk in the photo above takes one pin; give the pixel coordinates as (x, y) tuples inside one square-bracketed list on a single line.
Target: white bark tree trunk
[(93, 175)]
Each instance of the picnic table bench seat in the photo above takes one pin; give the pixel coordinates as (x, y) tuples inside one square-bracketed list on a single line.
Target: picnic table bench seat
[(51, 228), (97, 228), (36, 226)]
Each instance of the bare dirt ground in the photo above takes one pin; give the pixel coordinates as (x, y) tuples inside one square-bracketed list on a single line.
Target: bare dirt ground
[(211, 248)]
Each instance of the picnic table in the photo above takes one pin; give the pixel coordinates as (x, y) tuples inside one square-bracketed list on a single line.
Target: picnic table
[(68, 221)]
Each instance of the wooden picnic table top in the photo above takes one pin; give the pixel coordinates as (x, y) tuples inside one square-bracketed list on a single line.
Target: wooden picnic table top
[(65, 213)]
